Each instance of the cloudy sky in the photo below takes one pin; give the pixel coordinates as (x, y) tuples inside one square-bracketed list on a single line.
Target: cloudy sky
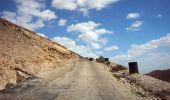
[(123, 30)]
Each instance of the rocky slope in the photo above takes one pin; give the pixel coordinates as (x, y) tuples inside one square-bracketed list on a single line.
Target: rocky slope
[(163, 75), (150, 85), (144, 86), (24, 54)]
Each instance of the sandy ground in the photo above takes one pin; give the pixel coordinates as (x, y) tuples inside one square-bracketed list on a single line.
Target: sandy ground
[(83, 80)]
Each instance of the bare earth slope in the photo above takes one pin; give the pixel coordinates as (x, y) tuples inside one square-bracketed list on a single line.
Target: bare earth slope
[(85, 81), (24, 54), (163, 75)]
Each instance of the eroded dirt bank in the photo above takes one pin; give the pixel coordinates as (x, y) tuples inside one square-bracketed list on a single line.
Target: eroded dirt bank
[(24, 54)]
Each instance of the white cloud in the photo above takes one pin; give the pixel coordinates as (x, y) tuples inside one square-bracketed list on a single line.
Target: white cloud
[(103, 40), (90, 33), (85, 11), (96, 45), (43, 35), (122, 58), (83, 27), (69, 43), (99, 52), (154, 61), (103, 31), (111, 48), (46, 15), (85, 51), (159, 16), (138, 50), (30, 14), (133, 16), (82, 5), (62, 22), (64, 4), (89, 37), (135, 26), (99, 4), (148, 54)]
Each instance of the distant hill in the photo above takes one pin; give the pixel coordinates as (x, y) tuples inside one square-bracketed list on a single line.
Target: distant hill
[(23, 53), (163, 75)]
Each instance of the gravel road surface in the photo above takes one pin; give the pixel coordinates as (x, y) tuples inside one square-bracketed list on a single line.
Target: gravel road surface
[(86, 80)]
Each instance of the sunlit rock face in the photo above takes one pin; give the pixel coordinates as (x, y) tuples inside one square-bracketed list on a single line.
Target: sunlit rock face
[(23, 54)]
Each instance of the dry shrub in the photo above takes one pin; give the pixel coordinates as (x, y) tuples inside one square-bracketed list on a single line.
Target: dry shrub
[(117, 67)]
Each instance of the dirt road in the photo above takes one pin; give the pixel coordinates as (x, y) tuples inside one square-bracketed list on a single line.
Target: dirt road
[(85, 81)]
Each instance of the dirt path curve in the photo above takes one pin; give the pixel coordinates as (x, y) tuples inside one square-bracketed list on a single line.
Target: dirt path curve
[(86, 81)]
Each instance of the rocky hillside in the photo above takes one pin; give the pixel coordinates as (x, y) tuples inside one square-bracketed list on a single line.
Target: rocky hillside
[(142, 85), (23, 54), (163, 75)]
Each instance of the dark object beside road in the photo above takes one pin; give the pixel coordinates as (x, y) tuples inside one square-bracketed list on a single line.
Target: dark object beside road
[(90, 59), (133, 67), (106, 59)]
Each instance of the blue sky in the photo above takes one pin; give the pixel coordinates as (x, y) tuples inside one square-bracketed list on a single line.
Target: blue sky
[(123, 30)]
